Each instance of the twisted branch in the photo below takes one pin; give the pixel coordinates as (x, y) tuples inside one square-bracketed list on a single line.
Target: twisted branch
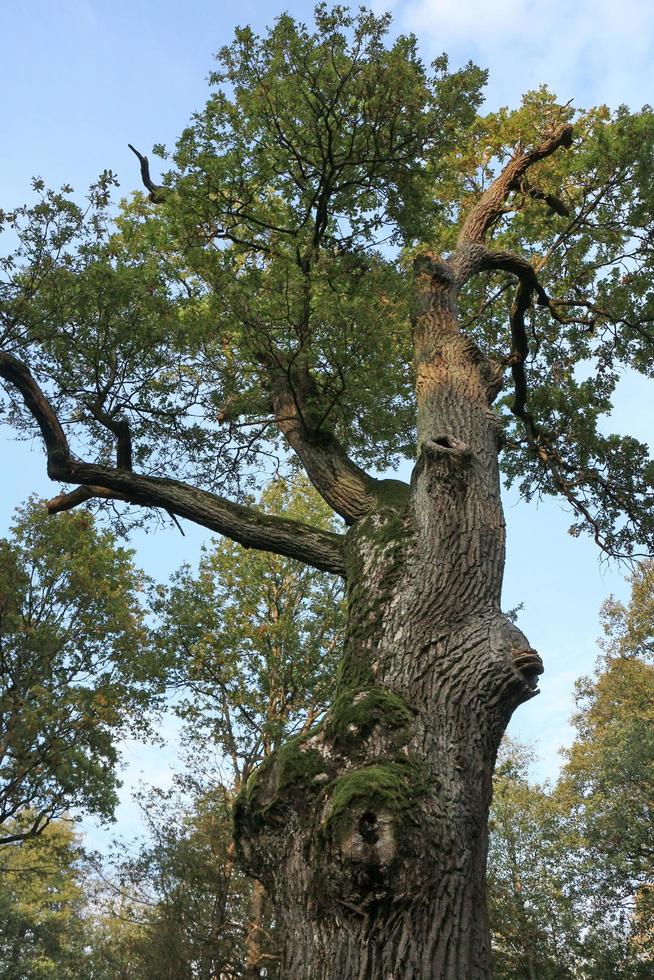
[(490, 206), (252, 529)]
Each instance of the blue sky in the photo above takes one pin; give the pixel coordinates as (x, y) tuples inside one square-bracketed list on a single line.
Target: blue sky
[(82, 78)]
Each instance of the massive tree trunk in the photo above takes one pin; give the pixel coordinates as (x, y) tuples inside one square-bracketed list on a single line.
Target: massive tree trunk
[(370, 831)]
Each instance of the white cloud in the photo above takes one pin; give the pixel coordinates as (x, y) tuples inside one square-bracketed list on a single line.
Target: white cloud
[(593, 51)]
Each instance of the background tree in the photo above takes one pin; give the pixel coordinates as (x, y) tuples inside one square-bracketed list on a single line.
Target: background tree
[(248, 309), (532, 911), (609, 774), (252, 642), (77, 670), (252, 645), (179, 908), (556, 909), (42, 923)]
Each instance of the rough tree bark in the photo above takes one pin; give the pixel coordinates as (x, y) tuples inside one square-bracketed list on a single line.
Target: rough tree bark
[(369, 831)]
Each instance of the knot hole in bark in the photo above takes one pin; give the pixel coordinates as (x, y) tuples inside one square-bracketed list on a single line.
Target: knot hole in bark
[(368, 827), (447, 450), (447, 443), (444, 464)]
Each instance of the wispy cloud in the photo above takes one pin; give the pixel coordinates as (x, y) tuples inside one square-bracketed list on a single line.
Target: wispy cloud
[(595, 51)]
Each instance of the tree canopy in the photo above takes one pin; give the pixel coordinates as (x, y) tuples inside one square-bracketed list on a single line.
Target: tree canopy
[(263, 289)]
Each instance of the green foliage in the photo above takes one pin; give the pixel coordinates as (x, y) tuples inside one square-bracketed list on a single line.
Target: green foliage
[(178, 908), (310, 151), (629, 629), (553, 912), (253, 640), (42, 927), (309, 154), (531, 877), (296, 197), (609, 772), (77, 669), (571, 870), (596, 264)]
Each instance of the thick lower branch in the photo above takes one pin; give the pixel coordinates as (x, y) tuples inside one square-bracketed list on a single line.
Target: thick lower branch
[(250, 528), (347, 488), (321, 549)]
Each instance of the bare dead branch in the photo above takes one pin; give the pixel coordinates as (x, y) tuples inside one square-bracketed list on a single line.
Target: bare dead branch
[(517, 266), (119, 427), (540, 445), (68, 501), (157, 191), (124, 446)]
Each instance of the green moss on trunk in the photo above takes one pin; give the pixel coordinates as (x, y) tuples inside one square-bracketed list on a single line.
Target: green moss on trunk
[(355, 715), (277, 782), (391, 787)]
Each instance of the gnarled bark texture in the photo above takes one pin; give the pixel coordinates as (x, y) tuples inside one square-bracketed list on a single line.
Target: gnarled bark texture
[(370, 832)]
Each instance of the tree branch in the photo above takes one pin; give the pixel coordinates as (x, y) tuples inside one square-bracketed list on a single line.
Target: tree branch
[(524, 271), (491, 203), (56, 444), (321, 549), (554, 203), (68, 501), (157, 191), (250, 528), (546, 453), (347, 488), (120, 428)]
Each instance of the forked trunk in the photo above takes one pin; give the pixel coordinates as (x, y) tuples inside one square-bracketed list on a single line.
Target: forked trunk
[(370, 832)]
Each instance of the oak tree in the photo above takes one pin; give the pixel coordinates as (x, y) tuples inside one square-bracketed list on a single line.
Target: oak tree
[(346, 266)]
